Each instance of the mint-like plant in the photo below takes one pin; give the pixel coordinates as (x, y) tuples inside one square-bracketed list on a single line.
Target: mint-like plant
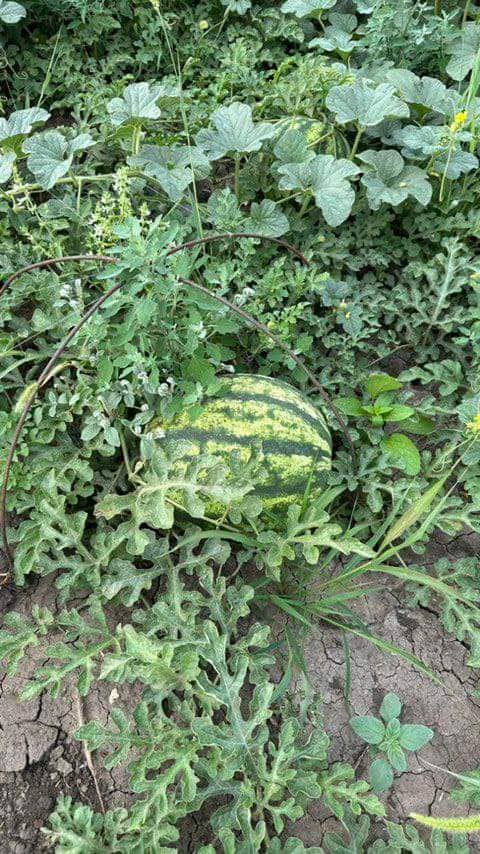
[(388, 741)]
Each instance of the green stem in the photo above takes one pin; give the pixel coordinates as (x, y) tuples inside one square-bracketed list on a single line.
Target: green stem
[(356, 142), (305, 204), (136, 137), (438, 7), (237, 177), (125, 454), (466, 11)]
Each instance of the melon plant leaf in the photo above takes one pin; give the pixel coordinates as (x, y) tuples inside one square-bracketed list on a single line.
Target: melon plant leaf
[(21, 123), (137, 104), (295, 176), (292, 147), (333, 192), (10, 12), (304, 8), (233, 131), (364, 104), (6, 165), (456, 163), (420, 91), (402, 453), (389, 180), (267, 219), (51, 155), (335, 39), (463, 49), (238, 6), (224, 210)]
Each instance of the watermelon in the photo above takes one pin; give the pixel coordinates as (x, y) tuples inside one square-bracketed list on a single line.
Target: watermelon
[(249, 408)]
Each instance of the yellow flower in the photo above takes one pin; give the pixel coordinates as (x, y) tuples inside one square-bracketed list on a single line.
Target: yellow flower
[(203, 25), (458, 121), (474, 426)]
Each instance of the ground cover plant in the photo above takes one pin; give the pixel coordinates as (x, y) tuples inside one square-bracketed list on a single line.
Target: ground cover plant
[(234, 189)]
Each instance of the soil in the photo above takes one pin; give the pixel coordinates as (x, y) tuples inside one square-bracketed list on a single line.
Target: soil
[(39, 759)]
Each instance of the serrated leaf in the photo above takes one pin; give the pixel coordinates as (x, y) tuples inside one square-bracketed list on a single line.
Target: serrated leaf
[(267, 219), (381, 775), (413, 514), (137, 104), (350, 406), (364, 104), (415, 736), (51, 155), (369, 729), (391, 707), (380, 383), (389, 180), (224, 209), (233, 131), (402, 452)]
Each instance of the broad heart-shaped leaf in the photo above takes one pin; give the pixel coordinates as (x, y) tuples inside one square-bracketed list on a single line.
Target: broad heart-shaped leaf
[(390, 181), (267, 219), (381, 775), (463, 49), (6, 165), (402, 453), (51, 155), (304, 8), (415, 736), (21, 123), (292, 147), (333, 193), (238, 6), (423, 91), (327, 178), (335, 39), (138, 103), (171, 167), (233, 131), (369, 729), (364, 104), (10, 12)]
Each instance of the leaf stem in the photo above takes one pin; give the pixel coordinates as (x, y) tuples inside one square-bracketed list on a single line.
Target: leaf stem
[(237, 177), (356, 142), (438, 7)]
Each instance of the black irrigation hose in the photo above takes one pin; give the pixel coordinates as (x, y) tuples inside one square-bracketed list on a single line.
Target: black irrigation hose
[(49, 369)]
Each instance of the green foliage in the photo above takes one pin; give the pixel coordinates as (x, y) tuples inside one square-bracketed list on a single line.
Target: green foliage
[(352, 130), (387, 736)]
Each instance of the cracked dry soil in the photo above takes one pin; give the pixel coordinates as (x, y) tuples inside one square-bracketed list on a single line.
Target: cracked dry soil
[(39, 759)]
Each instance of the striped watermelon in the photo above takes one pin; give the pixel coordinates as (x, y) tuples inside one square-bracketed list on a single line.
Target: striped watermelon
[(294, 434)]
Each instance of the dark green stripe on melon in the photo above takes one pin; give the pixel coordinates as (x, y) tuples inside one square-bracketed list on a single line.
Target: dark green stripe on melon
[(249, 409)]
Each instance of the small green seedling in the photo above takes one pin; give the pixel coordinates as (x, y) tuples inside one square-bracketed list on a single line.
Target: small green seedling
[(390, 738), (380, 407)]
